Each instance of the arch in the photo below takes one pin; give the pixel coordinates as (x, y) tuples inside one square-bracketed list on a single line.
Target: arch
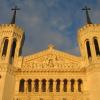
[(13, 48), (21, 86), (96, 46), (36, 85), (51, 85), (80, 82), (64, 99), (72, 85), (65, 85), (29, 85), (41, 98), (5, 46), (58, 85), (43, 85), (88, 48)]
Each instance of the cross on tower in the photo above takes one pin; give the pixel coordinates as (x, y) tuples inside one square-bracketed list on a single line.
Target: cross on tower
[(14, 15), (87, 14)]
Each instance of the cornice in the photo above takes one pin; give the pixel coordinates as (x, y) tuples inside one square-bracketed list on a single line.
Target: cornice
[(53, 52), (52, 60)]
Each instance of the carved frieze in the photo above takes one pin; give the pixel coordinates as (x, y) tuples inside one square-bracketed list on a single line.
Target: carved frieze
[(51, 60)]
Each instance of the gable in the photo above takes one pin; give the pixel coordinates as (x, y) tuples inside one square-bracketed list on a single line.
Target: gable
[(51, 59)]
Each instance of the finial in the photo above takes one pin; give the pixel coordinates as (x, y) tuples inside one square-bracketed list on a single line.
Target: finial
[(87, 14), (14, 15), (50, 46)]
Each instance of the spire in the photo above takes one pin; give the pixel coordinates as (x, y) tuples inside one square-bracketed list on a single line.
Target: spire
[(87, 14), (14, 15)]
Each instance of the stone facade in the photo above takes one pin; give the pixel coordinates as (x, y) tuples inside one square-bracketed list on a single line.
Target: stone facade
[(50, 74)]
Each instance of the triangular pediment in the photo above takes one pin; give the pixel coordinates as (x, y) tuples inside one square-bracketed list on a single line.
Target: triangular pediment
[(51, 58)]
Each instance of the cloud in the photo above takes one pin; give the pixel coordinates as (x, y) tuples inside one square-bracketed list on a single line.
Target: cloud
[(49, 22)]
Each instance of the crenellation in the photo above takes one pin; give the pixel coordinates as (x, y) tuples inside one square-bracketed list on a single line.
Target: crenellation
[(89, 26)]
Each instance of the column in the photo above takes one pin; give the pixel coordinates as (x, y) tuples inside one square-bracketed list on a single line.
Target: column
[(47, 86), (10, 41), (18, 45), (93, 52), (69, 86), (33, 86), (61, 86), (40, 85), (76, 86), (82, 87), (26, 86), (54, 86)]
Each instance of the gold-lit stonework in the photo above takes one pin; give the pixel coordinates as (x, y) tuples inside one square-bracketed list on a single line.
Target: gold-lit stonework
[(50, 74)]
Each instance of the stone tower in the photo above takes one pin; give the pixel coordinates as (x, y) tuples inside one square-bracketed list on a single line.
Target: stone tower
[(11, 40), (89, 43)]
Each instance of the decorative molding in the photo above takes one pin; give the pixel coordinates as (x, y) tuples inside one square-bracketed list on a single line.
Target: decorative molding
[(52, 60)]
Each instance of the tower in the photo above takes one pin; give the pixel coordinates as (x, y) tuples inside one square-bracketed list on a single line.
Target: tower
[(11, 41), (89, 43)]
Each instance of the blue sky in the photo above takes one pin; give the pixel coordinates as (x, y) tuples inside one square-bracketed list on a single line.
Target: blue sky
[(50, 22)]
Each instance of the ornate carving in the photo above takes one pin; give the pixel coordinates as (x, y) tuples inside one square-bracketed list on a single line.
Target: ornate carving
[(51, 60)]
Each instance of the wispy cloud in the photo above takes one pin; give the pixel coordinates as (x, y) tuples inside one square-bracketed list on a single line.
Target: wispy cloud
[(49, 22)]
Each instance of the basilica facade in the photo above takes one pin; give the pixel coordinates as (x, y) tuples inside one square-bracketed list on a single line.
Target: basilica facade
[(50, 74)]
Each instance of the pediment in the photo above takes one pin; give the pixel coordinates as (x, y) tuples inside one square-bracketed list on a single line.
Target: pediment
[(51, 58)]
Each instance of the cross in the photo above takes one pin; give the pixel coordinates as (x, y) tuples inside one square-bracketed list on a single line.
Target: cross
[(16, 8), (87, 14), (14, 15), (86, 8)]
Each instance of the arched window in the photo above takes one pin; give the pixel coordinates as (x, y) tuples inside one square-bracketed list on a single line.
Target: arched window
[(65, 85), (21, 86), (80, 85), (50, 85), (72, 85), (5, 47), (13, 48), (88, 49), (57, 85), (29, 85), (36, 85), (43, 85), (96, 46)]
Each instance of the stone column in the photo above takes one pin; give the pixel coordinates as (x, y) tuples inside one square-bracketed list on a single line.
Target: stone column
[(26, 86), (33, 86), (93, 51), (40, 85), (82, 87), (68, 86), (47, 86), (18, 45), (54, 86), (10, 41), (76, 86), (61, 86)]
